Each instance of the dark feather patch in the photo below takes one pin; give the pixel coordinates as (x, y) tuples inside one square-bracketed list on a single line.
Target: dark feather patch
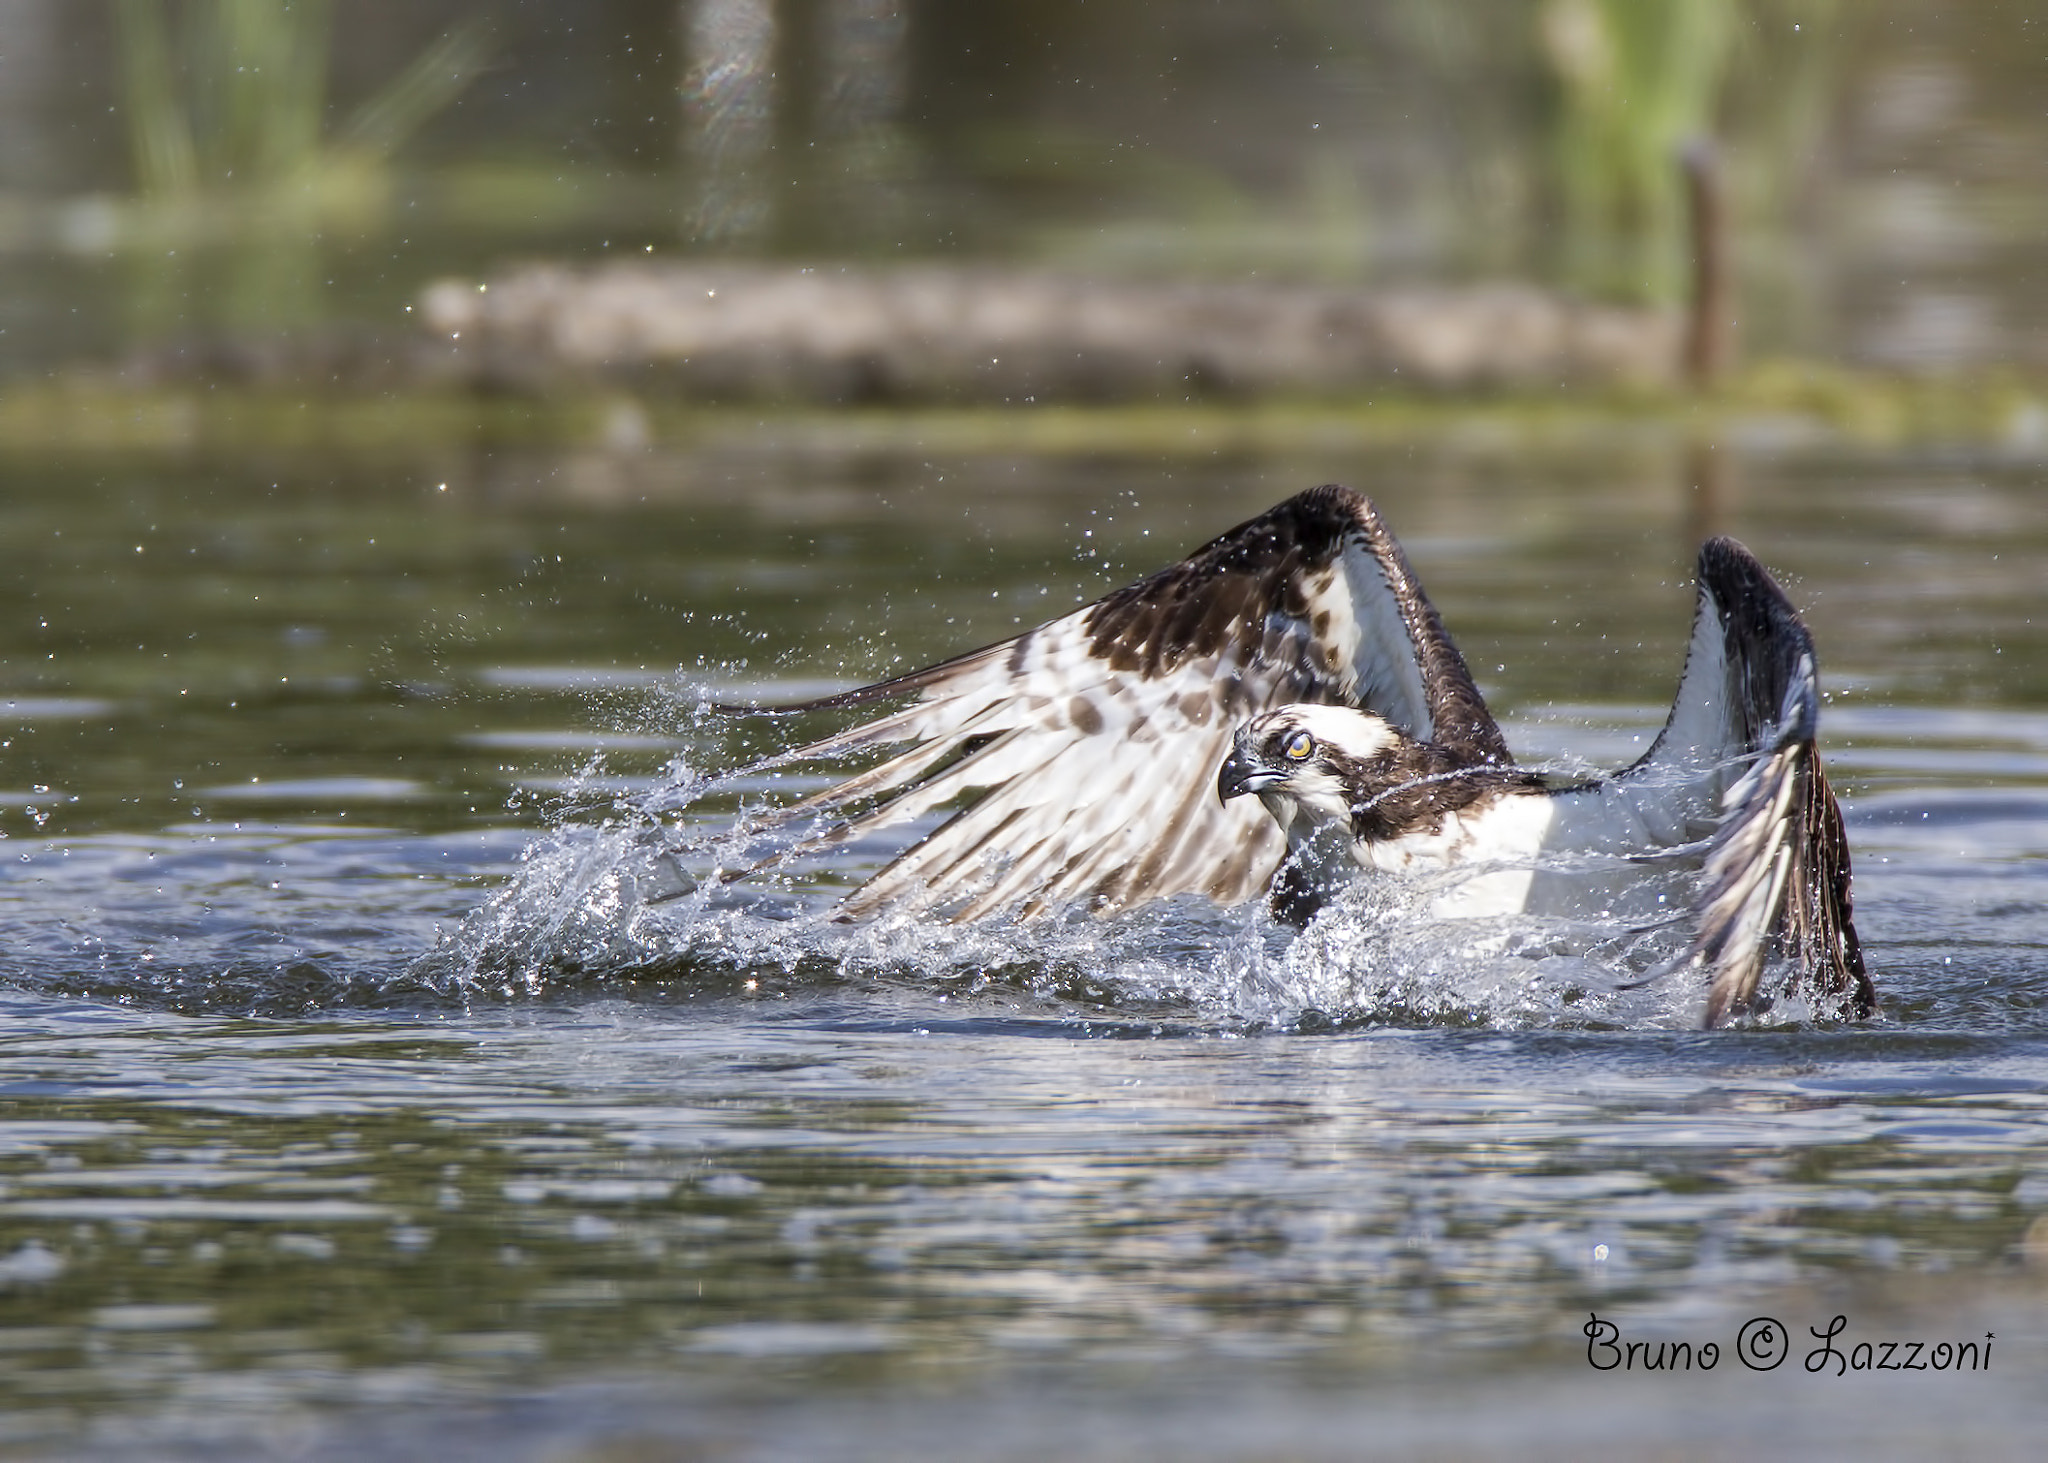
[(1759, 672), (1410, 789)]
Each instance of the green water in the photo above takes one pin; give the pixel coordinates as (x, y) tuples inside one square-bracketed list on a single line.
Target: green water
[(741, 1184)]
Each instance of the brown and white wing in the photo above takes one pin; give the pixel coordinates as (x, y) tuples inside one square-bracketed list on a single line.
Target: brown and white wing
[(1082, 754), (1776, 881)]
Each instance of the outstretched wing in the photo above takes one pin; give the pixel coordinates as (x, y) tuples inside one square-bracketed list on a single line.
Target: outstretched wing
[(1776, 880), (1090, 744)]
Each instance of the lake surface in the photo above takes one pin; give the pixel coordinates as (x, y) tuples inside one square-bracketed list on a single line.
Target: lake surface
[(360, 1096)]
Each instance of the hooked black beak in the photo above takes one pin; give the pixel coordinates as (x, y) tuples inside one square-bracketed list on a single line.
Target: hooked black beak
[(1242, 772)]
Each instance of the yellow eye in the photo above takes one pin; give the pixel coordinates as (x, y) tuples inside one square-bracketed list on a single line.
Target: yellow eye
[(1298, 746)]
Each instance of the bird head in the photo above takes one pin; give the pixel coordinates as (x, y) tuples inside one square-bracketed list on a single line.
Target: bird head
[(1308, 758)]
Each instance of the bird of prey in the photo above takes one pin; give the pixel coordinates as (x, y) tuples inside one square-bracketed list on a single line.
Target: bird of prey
[(1098, 760)]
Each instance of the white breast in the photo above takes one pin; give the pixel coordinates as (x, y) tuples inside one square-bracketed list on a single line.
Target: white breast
[(1603, 852), (1495, 847)]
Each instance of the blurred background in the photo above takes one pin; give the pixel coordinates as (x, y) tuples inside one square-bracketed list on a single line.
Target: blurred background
[(181, 173), (373, 531)]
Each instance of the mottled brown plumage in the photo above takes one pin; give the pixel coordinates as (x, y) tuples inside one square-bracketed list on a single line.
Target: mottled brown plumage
[(1222, 594), (1096, 737)]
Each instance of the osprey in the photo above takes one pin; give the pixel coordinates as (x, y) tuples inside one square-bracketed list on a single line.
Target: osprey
[(1297, 659)]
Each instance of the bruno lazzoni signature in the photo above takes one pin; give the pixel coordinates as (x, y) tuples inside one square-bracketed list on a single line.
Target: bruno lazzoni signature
[(1763, 1343)]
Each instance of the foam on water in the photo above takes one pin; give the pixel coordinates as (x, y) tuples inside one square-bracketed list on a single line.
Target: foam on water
[(641, 894), (616, 896), (623, 887)]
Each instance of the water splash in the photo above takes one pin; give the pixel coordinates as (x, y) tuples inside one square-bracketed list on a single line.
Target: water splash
[(645, 893)]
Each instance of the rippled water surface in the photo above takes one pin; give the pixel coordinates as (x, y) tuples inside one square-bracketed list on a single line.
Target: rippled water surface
[(368, 1086)]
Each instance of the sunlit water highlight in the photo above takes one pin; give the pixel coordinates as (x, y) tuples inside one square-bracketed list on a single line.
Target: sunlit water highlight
[(374, 1087)]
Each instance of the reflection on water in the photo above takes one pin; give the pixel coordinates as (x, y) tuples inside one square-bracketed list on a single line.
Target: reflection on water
[(270, 1182)]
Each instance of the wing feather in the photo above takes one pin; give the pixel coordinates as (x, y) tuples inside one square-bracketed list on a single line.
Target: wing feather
[(1740, 746), (1086, 749)]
